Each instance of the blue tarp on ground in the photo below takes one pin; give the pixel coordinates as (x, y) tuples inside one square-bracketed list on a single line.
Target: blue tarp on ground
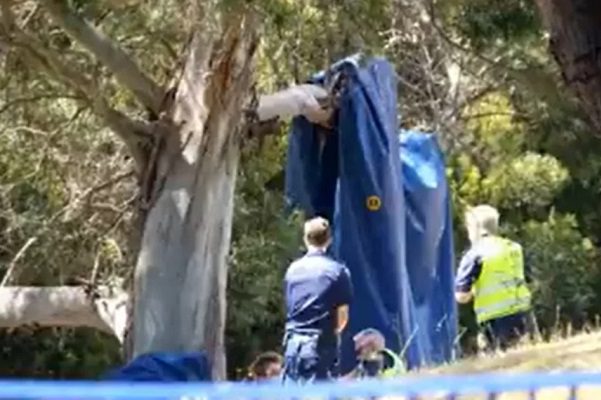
[(164, 367), (355, 177)]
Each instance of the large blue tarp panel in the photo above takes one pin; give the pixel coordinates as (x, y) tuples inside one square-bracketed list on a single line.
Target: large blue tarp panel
[(369, 222), (164, 367), (429, 243), (355, 177)]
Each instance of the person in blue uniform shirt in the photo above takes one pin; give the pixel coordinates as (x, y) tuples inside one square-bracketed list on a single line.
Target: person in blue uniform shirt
[(492, 273), (318, 293)]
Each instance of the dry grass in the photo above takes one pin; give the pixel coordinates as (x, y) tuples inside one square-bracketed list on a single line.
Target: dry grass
[(581, 352)]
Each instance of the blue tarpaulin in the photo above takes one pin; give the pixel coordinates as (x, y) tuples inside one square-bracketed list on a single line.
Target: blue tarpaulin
[(164, 367), (388, 201), (429, 252)]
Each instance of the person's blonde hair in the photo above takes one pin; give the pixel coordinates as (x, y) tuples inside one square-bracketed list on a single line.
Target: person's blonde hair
[(317, 232), (482, 219)]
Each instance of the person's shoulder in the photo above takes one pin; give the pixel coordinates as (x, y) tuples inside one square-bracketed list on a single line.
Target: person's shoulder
[(472, 253), (296, 262), (294, 265), (515, 243), (512, 243), (339, 267)]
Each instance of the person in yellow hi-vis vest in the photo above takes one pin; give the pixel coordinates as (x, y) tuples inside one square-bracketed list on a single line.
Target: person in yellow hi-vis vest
[(492, 274), (375, 360)]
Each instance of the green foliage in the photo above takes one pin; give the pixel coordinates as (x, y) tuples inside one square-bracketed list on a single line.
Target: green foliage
[(484, 22), (512, 138), (504, 167), (57, 354), (264, 243), (565, 270), (531, 180)]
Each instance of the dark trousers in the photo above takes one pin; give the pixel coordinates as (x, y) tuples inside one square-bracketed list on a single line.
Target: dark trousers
[(502, 333), (308, 358)]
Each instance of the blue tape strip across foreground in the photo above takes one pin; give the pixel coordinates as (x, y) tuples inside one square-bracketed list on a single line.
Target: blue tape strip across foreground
[(440, 385)]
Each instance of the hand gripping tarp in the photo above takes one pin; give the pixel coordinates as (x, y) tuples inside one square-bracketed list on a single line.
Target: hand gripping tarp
[(353, 175), (164, 367)]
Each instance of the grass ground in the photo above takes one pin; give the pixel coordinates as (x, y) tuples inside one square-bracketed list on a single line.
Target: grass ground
[(581, 352)]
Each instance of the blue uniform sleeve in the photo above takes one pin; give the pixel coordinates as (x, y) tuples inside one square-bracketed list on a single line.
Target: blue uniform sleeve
[(469, 270), (344, 287)]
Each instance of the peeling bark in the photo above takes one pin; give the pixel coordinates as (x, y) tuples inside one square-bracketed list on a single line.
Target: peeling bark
[(187, 180), (575, 42), (181, 273), (63, 306)]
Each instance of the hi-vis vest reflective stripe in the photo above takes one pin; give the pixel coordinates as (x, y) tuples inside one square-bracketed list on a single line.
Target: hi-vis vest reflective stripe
[(501, 288), (398, 367)]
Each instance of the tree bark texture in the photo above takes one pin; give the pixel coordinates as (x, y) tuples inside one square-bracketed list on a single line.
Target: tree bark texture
[(63, 306), (186, 161), (575, 42), (181, 272)]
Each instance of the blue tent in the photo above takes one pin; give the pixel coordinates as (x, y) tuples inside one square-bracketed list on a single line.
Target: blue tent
[(390, 213), (164, 367)]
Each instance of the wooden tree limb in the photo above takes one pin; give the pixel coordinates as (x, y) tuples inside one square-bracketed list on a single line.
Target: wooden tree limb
[(108, 53), (133, 133), (63, 306), (130, 131), (49, 61), (13, 264), (30, 99), (297, 100)]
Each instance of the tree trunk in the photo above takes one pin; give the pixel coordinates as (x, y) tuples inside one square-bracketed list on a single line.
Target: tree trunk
[(64, 306), (575, 42), (181, 272)]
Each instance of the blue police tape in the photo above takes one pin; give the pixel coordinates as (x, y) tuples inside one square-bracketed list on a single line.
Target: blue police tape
[(440, 385)]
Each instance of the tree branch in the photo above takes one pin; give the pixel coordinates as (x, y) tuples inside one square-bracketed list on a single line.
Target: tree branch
[(19, 100), (296, 100), (64, 306), (108, 53), (13, 264), (133, 133), (50, 61)]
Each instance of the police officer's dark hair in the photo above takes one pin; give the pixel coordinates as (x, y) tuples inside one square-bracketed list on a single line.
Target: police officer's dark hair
[(317, 232), (258, 368)]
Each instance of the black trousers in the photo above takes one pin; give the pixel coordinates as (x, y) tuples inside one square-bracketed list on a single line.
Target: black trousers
[(502, 333)]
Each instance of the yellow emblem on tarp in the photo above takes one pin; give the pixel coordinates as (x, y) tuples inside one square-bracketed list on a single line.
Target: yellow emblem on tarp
[(373, 203)]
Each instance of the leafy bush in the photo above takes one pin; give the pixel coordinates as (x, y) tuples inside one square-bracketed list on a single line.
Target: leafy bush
[(530, 180), (565, 270)]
